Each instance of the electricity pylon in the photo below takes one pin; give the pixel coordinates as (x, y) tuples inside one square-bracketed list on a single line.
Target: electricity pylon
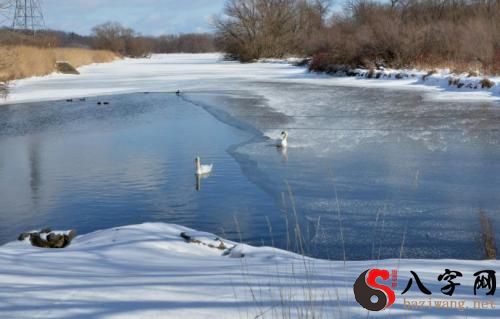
[(28, 15)]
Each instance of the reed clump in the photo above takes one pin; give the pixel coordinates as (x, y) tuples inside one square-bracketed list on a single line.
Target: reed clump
[(487, 236)]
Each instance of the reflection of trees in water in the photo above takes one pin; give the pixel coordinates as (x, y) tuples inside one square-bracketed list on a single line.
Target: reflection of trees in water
[(35, 170)]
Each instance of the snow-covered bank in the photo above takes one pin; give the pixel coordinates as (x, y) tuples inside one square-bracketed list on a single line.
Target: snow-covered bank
[(481, 86), (149, 271), (444, 79)]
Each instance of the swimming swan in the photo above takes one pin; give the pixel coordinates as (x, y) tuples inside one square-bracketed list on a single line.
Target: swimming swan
[(284, 140), (202, 169)]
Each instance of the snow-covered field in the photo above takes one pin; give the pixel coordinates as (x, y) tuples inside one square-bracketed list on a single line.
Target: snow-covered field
[(149, 271)]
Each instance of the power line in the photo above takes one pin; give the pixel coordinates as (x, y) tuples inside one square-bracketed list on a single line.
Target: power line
[(5, 14), (28, 15)]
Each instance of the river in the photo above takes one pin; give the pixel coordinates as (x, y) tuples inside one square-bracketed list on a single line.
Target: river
[(370, 172)]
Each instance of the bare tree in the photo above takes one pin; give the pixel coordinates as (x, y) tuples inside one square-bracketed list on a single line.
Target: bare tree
[(250, 29), (111, 36)]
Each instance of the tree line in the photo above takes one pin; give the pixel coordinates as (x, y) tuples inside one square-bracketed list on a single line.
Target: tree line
[(114, 37), (460, 34)]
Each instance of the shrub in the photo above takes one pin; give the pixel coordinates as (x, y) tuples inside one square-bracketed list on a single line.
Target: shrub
[(487, 83), (320, 62), (487, 236)]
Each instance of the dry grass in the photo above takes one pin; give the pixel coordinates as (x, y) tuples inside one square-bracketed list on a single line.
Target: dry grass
[(17, 62), (472, 74), (487, 236)]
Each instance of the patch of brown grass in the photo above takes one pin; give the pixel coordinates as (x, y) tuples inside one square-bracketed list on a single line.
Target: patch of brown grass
[(79, 57), (17, 62)]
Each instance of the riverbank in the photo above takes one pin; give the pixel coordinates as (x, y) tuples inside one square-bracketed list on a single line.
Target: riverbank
[(445, 79), (19, 62), (149, 270), (440, 78)]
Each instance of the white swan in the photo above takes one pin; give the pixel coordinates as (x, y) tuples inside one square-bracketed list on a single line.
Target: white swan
[(283, 143), (202, 169)]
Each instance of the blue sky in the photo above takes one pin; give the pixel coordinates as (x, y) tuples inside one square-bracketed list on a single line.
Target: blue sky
[(149, 17)]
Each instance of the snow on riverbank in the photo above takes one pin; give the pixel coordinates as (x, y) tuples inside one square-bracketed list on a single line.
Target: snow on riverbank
[(468, 85), (149, 271), (475, 85)]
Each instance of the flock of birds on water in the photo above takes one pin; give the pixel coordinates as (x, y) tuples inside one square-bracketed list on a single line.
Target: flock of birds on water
[(202, 170), (205, 170), (178, 93)]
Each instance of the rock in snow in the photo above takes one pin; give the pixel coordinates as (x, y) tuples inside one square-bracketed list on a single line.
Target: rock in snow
[(46, 238)]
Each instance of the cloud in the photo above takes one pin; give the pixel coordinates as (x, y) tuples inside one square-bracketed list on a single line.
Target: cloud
[(149, 17)]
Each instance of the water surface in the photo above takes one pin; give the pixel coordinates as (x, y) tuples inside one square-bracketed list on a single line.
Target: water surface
[(369, 173)]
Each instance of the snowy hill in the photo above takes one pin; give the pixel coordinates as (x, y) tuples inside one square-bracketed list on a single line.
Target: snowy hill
[(149, 271)]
